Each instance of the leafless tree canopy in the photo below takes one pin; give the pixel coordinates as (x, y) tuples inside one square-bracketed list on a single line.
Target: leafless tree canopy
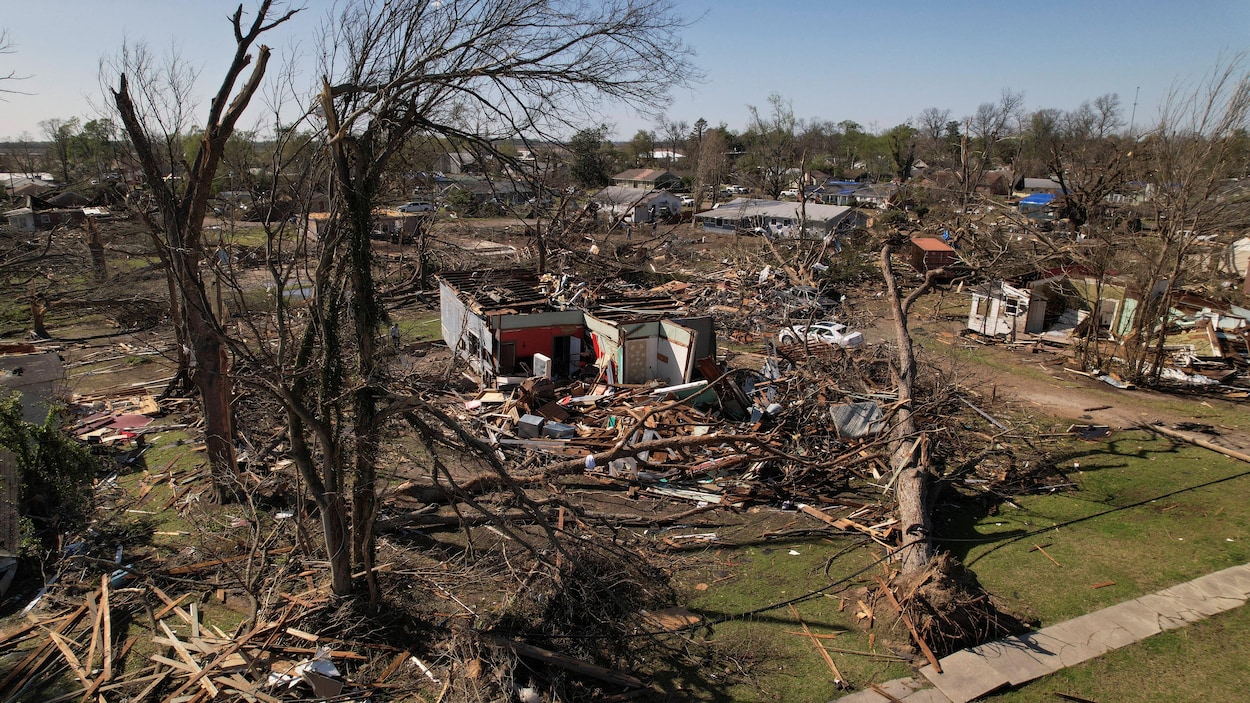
[(501, 67), (6, 79)]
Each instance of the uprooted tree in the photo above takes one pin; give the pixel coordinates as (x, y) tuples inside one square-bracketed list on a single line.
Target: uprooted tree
[(154, 116)]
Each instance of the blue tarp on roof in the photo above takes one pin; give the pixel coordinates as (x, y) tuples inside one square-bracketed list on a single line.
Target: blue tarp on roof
[(1038, 199)]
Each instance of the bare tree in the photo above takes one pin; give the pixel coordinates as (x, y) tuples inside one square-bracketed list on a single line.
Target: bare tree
[(61, 134), (1184, 160), (772, 153), (931, 123), (182, 207), (672, 134), (982, 132), (713, 164), (469, 72), (7, 47)]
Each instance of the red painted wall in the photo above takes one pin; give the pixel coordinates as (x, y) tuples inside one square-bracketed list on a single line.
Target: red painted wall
[(538, 340)]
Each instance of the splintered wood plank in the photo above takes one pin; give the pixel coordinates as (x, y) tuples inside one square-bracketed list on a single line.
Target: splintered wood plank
[(182, 651), (837, 675), (911, 627), (171, 605), (107, 653), (40, 654), (394, 666), (70, 658)]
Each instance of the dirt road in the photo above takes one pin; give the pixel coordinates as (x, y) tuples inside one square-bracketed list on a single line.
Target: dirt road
[(1040, 381)]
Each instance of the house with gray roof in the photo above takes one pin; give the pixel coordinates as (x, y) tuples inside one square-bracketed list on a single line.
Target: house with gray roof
[(636, 206), (778, 218)]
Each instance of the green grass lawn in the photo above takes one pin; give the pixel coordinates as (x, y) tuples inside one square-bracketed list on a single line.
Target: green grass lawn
[(765, 656), (1148, 514), (424, 326), (1145, 513), (1137, 496)]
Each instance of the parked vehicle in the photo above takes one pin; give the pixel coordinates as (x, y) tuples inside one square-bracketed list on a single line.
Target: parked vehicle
[(416, 206), (828, 332), (791, 193), (687, 201)]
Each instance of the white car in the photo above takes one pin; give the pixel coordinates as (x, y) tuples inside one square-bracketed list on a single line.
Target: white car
[(687, 201), (416, 206), (791, 193), (822, 332)]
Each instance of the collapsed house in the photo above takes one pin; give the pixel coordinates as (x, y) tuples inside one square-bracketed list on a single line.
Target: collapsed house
[(512, 325), (1055, 306), (39, 214), (1199, 331)]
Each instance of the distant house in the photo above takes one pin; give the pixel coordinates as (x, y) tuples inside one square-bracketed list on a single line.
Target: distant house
[(647, 179), (501, 191), (989, 183), (834, 192), (877, 195), (20, 186), (39, 214), (928, 253), (636, 206), (387, 224), (455, 162), (778, 218)]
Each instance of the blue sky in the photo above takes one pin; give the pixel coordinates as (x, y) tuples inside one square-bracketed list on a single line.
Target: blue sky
[(878, 64)]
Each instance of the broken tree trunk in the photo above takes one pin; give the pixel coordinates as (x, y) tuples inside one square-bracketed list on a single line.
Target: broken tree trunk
[(1197, 442), (95, 245), (911, 485)]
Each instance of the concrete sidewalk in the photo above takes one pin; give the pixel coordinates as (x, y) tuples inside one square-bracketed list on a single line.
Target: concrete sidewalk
[(1012, 661)]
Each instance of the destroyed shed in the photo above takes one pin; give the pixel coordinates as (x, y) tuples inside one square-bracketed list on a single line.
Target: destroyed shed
[(504, 323), (510, 325), (1002, 310), (636, 345)]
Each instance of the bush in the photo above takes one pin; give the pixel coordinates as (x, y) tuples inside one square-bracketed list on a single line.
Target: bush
[(56, 471)]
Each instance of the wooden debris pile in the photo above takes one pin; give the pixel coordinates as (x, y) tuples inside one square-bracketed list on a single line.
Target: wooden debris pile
[(742, 437), (136, 642)]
